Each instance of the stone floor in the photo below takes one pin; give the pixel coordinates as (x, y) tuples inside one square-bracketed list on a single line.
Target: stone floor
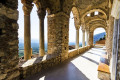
[(83, 67)]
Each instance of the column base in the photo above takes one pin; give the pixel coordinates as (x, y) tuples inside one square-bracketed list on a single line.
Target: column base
[(41, 53)]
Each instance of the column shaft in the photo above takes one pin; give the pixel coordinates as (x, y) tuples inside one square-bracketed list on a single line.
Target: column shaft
[(27, 37), (87, 37), (91, 39), (77, 38), (41, 40), (83, 38)]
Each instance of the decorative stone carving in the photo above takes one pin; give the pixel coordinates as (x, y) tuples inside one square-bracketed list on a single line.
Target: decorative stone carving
[(27, 7), (77, 27), (41, 13)]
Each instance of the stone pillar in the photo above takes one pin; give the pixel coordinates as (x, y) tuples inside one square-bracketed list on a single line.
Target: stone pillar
[(87, 37), (58, 34), (110, 37), (41, 14), (90, 39), (27, 30), (115, 50), (83, 38), (77, 39)]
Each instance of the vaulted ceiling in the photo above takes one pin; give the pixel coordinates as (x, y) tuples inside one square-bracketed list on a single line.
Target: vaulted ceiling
[(79, 8)]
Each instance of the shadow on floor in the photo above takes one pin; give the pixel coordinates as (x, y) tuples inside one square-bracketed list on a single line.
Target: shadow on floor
[(94, 53), (64, 71), (90, 60)]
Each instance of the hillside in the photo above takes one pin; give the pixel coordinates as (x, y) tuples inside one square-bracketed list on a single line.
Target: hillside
[(35, 45), (98, 36)]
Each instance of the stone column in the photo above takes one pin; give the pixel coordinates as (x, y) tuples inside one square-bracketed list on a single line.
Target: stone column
[(41, 14), (83, 38), (115, 49), (27, 30), (90, 39), (87, 37), (77, 39)]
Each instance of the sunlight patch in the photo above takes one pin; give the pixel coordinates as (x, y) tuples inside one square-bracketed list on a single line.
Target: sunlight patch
[(43, 78)]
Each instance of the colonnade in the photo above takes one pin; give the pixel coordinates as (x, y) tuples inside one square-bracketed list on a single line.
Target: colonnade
[(89, 41), (27, 31)]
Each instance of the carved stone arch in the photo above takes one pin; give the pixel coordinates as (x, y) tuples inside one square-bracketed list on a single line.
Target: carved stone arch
[(98, 22), (93, 27), (93, 20), (40, 4), (37, 3), (76, 15), (93, 10), (41, 8)]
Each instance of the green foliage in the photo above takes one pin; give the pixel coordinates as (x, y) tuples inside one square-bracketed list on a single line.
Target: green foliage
[(103, 38)]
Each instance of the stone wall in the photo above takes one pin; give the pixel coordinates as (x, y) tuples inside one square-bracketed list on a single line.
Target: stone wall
[(9, 40), (37, 65), (58, 34), (110, 37), (75, 52), (91, 39)]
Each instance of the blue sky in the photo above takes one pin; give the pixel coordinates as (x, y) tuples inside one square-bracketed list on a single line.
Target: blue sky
[(35, 26)]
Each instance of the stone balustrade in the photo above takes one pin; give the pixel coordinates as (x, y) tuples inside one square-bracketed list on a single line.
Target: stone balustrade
[(39, 64)]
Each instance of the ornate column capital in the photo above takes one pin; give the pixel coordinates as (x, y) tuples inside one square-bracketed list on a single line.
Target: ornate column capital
[(27, 7), (77, 27), (41, 13), (87, 30), (83, 29), (83, 26)]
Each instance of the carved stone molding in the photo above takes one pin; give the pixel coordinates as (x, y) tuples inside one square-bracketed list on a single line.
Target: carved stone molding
[(41, 13), (27, 8), (77, 27), (59, 14)]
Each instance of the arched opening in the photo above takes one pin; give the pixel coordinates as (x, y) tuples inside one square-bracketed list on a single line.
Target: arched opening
[(74, 29), (94, 12), (34, 21), (34, 31), (72, 32), (99, 36), (46, 30), (80, 37), (21, 29)]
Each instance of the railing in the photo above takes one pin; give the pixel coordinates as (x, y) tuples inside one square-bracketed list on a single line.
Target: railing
[(36, 65)]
